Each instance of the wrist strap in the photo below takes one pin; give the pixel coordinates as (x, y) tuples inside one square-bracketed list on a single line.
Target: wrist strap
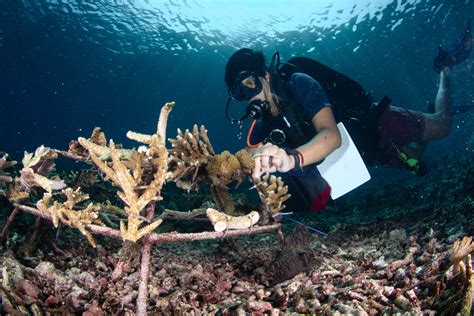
[(298, 156)]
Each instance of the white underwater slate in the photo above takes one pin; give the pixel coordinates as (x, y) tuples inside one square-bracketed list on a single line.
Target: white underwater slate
[(344, 168)]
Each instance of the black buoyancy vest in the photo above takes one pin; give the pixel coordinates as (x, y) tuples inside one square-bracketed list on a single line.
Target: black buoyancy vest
[(351, 105)]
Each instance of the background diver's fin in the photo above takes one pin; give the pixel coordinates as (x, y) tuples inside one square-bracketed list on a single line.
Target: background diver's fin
[(455, 109), (455, 53), (462, 108)]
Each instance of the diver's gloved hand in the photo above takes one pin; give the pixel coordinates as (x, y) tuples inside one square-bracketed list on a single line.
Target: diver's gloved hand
[(271, 158)]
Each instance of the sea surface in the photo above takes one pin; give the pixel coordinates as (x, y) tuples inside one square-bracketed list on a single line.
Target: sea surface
[(69, 66)]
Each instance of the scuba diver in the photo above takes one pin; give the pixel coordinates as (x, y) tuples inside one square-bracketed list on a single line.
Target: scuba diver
[(295, 106)]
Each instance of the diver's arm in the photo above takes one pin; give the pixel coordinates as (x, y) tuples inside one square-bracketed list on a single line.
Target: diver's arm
[(323, 143), (271, 158)]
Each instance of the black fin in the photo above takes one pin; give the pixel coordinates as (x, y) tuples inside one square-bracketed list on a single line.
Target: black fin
[(455, 53)]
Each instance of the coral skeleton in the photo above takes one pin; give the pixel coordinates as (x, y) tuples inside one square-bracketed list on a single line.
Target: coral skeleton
[(223, 221)]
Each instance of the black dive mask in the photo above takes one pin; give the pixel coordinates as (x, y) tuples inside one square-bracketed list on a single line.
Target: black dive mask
[(245, 87)]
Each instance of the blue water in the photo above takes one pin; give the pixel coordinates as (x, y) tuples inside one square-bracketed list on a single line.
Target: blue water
[(68, 66)]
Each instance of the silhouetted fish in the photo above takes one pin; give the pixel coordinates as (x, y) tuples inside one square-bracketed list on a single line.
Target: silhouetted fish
[(456, 52)]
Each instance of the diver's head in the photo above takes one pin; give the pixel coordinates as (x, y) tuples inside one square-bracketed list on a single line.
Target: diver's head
[(247, 79), (245, 59), (243, 74)]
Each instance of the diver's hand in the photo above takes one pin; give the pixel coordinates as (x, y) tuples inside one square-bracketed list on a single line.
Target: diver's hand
[(271, 158)]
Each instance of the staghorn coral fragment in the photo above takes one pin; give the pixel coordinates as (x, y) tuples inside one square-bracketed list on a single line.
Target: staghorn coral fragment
[(190, 153), (160, 128), (163, 120), (15, 192), (75, 218), (141, 138), (206, 141), (128, 175), (272, 192), (98, 137), (223, 221), (121, 176), (74, 197), (103, 153)]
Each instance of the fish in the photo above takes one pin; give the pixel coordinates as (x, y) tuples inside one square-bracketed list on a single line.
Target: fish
[(455, 53)]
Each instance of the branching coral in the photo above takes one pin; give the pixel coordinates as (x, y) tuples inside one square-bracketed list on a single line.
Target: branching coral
[(64, 212), (273, 192), (461, 248), (128, 183), (98, 144), (193, 159), (459, 293), (190, 152), (128, 175)]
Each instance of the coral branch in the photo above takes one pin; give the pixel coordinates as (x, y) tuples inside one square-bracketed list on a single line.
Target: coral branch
[(163, 121), (272, 192)]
